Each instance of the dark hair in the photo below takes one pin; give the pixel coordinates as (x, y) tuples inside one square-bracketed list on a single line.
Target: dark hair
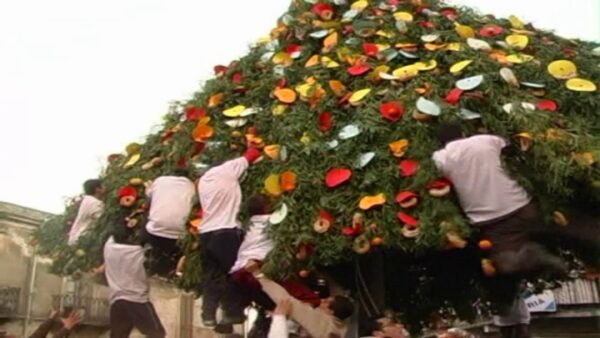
[(368, 327), (448, 132), (258, 204), (342, 307), (181, 172), (90, 186)]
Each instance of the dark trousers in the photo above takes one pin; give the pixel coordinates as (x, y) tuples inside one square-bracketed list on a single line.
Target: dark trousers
[(163, 255), (219, 251), (125, 315)]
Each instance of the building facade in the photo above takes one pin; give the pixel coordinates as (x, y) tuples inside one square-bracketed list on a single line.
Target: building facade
[(28, 292)]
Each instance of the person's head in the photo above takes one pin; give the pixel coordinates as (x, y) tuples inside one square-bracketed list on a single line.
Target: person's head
[(181, 172), (338, 306), (122, 234), (258, 204), (387, 328), (94, 187), (448, 132)]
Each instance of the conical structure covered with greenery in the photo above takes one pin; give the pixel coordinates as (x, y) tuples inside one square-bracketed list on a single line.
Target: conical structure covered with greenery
[(344, 98)]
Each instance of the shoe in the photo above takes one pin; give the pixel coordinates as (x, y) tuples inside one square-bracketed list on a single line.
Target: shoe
[(209, 323)]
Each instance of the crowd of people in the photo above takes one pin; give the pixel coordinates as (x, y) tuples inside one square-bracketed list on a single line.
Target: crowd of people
[(494, 203)]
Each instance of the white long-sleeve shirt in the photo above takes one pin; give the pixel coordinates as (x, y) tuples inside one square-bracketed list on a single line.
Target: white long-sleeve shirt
[(256, 244), (279, 328), (171, 201), (90, 209), (484, 189), (221, 195), (125, 272)]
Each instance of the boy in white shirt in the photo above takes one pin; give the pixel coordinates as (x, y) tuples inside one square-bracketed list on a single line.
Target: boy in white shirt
[(129, 288), (220, 237), (90, 209), (171, 201)]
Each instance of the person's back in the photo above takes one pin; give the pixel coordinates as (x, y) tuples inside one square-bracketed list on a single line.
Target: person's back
[(484, 189), (220, 195), (171, 203), (90, 209), (125, 271)]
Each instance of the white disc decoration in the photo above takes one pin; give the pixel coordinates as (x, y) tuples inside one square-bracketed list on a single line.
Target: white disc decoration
[(248, 112), (349, 131), (365, 159), (509, 107), (236, 123), (333, 144), (428, 107), (509, 76), (408, 55), (534, 85), (469, 83), (319, 34), (430, 38), (283, 153), (279, 215), (349, 15), (467, 114), (478, 44)]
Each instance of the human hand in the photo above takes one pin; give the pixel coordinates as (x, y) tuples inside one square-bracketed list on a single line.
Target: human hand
[(284, 307), (53, 314), (70, 322)]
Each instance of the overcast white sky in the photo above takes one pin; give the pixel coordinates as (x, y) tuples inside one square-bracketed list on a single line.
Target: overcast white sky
[(81, 79)]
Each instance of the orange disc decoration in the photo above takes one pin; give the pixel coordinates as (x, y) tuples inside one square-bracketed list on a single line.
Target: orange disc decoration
[(288, 181)]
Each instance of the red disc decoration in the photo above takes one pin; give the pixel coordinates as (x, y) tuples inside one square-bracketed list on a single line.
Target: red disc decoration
[(439, 183), (325, 121), (449, 13), (408, 168), (357, 70), (547, 105), (220, 70), (490, 31), (407, 219), (194, 113), (404, 196), (293, 49), (453, 96), (392, 110), (325, 11), (337, 176), (370, 49)]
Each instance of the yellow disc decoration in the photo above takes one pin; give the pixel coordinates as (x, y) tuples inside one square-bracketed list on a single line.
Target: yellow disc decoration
[(403, 16), (460, 66), (234, 111), (519, 58), (562, 69), (464, 31), (359, 95), (517, 41), (272, 185), (406, 72), (426, 65), (581, 85)]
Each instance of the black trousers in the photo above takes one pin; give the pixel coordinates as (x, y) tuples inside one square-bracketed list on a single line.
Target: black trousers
[(125, 315), (163, 256), (219, 251)]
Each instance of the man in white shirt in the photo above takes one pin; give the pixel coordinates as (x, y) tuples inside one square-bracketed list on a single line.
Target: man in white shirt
[(171, 201), (129, 288), (220, 237), (493, 201), (90, 209), (500, 208)]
